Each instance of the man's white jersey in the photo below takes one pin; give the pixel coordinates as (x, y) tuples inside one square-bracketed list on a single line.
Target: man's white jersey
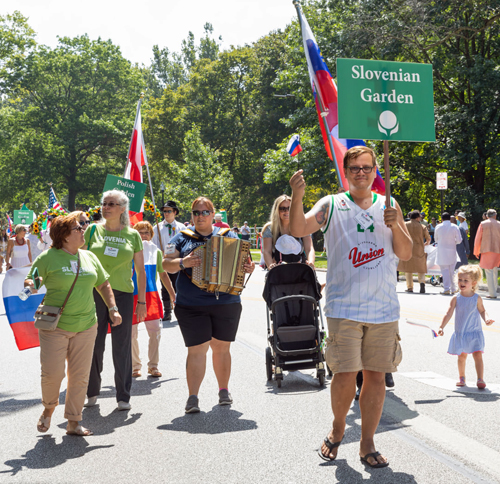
[(361, 274)]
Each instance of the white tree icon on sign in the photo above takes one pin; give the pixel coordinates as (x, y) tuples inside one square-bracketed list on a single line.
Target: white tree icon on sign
[(388, 123)]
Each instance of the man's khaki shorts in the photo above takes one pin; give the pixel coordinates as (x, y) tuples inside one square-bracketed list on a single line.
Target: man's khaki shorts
[(354, 346)]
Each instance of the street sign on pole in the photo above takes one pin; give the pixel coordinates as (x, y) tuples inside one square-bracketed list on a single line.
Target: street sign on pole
[(442, 181), (385, 100)]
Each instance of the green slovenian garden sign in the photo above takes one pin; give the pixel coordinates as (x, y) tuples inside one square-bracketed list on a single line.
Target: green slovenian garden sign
[(23, 217), (385, 100)]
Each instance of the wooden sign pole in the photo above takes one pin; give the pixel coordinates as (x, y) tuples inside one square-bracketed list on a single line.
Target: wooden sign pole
[(387, 175)]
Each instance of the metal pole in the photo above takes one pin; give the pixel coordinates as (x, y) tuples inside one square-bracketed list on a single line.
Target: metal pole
[(324, 113), (442, 202), (387, 175)]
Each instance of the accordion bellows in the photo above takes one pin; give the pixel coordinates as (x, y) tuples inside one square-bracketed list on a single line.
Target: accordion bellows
[(222, 265)]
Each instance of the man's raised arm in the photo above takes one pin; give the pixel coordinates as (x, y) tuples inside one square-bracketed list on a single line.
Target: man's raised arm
[(305, 224)]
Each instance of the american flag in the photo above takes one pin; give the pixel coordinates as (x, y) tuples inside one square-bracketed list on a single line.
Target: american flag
[(53, 203)]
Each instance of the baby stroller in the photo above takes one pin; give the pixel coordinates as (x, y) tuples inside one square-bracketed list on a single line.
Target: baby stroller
[(292, 294)]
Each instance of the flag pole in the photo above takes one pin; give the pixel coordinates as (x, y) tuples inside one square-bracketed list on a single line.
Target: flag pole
[(147, 170), (132, 137), (324, 113)]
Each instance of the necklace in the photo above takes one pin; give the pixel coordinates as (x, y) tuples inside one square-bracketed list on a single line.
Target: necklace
[(68, 252), (24, 241)]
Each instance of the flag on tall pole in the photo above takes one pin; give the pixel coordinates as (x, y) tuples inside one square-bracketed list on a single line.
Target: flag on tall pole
[(326, 100), (136, 159)]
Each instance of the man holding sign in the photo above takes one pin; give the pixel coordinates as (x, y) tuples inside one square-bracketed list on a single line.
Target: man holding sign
[(364, 241)]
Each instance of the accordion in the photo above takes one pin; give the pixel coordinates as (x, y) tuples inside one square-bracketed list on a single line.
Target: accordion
[(222, 265)]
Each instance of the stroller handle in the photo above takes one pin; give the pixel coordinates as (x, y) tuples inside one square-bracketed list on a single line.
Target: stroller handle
[(284, 299)]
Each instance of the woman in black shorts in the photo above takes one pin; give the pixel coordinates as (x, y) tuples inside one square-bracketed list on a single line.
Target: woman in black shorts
[(205, 320)]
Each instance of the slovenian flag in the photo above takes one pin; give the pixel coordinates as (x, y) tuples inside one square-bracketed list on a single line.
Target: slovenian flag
[(21, 314), (293, 146), (136, 159), (153, 300), (325, 95)]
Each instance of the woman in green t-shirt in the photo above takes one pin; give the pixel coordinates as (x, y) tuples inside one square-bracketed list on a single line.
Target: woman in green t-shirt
[(73, 339), (117, 246)]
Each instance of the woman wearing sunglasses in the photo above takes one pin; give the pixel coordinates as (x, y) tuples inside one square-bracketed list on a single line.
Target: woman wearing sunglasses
[(117, 246), (73, 339), (299, 249), (206, 320)]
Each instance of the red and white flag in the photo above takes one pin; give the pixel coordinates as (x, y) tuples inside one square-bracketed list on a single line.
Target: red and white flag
[(136, 159)]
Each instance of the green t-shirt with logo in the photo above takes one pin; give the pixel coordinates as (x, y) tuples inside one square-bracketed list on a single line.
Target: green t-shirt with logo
[(115, 251), (57, 268)]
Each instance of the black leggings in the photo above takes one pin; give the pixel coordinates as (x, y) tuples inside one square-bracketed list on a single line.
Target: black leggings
[(121, 343)]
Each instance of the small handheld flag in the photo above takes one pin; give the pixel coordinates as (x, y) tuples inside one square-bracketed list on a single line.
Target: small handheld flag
[(9, 228), (421, 325), (293, 146), (53, 203)]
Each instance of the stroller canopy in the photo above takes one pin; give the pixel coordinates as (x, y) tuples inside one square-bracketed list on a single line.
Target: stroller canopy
[(292, 274)]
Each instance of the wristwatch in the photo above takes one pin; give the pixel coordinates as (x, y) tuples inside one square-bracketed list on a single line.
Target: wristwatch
[(113, 308), (181, 265)]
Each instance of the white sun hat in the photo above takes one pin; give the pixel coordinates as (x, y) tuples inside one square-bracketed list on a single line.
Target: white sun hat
[(287, 244)]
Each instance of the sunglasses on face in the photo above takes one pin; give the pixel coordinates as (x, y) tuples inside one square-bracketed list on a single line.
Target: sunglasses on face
[(167, 211), (109, 204), (204, 213), (356, 169), (84, 222), (78, 227), (284, 209)]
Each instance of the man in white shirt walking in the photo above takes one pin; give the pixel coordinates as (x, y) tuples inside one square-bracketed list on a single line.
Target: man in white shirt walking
[(447, 236), (364, 240), (169, 227), (245, 231)]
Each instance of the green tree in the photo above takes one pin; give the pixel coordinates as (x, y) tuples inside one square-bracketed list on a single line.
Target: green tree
[(74, 116), (201, 174)]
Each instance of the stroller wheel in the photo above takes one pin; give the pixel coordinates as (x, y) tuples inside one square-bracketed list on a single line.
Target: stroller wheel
[(321, 378), (269, 364)]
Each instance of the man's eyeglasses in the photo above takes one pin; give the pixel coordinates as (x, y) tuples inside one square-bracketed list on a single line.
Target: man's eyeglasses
[(284, 209), (356, 169), (205, 213), (84, 222), (109, 204), (167, 211), (78, 227)]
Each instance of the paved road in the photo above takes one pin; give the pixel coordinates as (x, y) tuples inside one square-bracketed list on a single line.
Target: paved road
[(431, 432)]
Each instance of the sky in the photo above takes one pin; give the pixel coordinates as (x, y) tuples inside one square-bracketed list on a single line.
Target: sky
[(136, 26)]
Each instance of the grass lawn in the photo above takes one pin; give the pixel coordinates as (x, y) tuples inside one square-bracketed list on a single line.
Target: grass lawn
[(320, 261)]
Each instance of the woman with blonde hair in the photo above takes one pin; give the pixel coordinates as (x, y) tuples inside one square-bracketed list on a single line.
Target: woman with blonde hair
[(279, 244), (18, 249), (153, 258), (117, 246)]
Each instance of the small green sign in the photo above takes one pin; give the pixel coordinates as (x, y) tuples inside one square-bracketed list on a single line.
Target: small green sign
[(223, 214), (134, 190), (24, 217), (385, 100)]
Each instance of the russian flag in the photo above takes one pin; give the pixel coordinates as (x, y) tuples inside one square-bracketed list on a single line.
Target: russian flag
[(9, 228), (136, 159), (293, 146), (21, 314), (153, 299), (325, 94)]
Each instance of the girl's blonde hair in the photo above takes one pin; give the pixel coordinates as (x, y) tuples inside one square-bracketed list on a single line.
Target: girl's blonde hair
[(274, 220), (475, 273)]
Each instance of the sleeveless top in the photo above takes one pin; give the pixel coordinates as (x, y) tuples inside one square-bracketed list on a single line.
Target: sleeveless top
[(20, 255), (468, 335), (361, 272)]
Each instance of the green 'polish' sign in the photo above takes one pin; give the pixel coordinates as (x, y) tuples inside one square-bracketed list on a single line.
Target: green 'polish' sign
[(385, 100), (134, 190)]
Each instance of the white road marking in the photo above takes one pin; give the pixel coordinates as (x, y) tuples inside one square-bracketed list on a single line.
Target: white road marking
[(439, 381)]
